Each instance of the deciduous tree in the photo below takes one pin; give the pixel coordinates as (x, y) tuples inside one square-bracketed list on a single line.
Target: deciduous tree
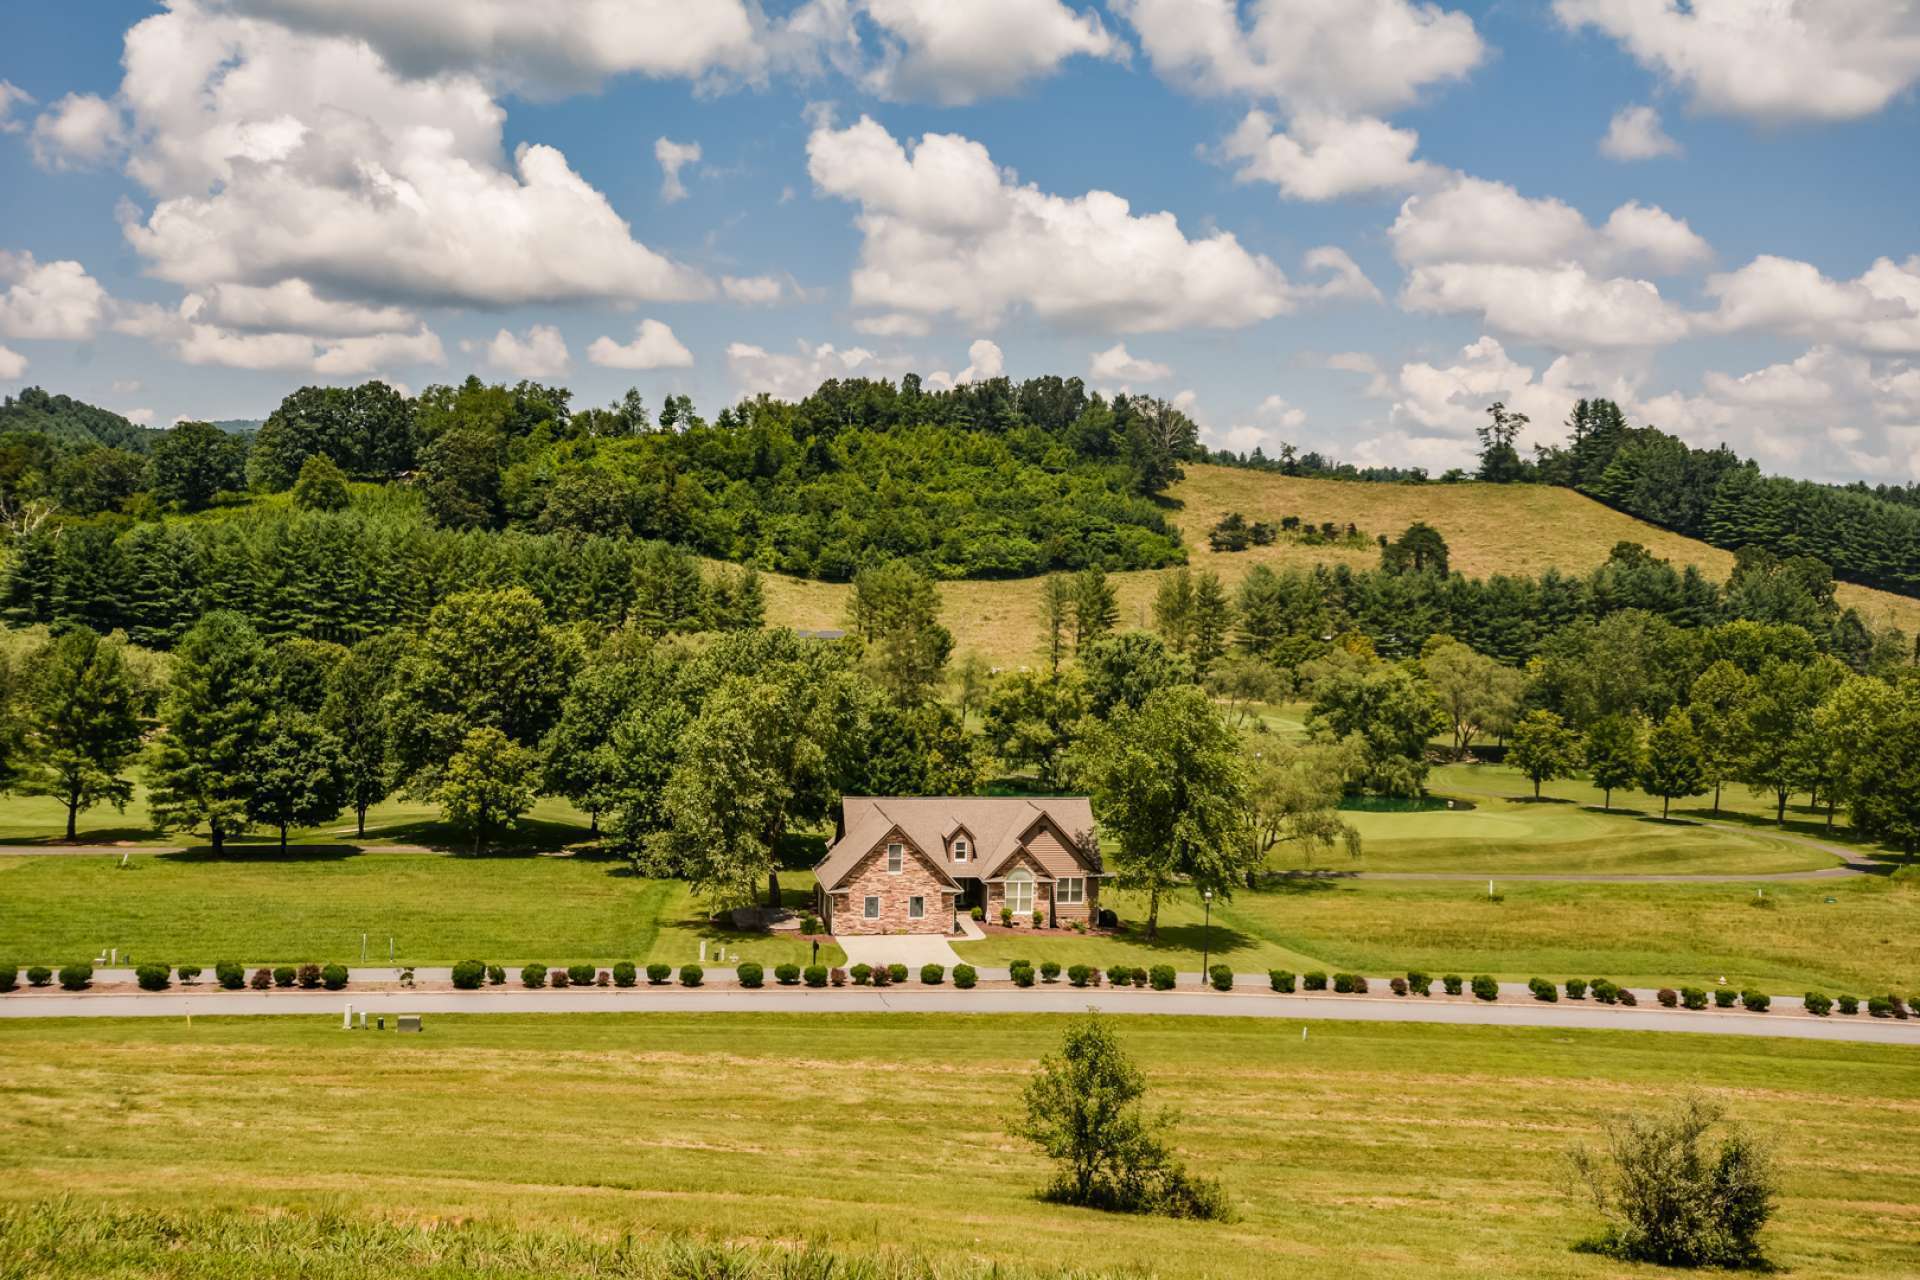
[(1543, 748), (80, 713), (1674, 764), (487, 784)]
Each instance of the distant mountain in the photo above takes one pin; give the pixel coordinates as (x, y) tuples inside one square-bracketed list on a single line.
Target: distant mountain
[(72, 421)]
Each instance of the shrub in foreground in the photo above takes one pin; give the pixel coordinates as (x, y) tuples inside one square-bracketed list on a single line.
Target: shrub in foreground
[(882, 976), (838, 977), (1049, 971), (284, 975), (1077, 974), (1541, 988), (1627, 998), (1485, 987), (9, 976), (1281, 980), (898, 972), (815, 975), (1576, 988), (496, 975), (787, 975), (580, 975), (1419, 983), (1314, 981), (1756, 1001), (1725, 997), (624, 974), (1818, 1003), (38, 975), (469, 974), (308, 977), (334, 977), (1162, 977), (1452, 983), (692, 975), (862, 974), (1221, 976), (1021, 972), (186, 972), (1119, 975), (658, 974), (76, 977), (1693, 997), (559, 979), (1343, 983), (261, 980), (932, 975), (1670, 1197), (534, 975), (1849, 1005), (964, 976), (1668, 997), (1397, 985), (230, 975), (1605, 992), (1139, 977), (153, 977), (751, 974)]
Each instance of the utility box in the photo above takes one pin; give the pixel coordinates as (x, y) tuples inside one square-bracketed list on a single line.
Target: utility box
[(407, 1022)]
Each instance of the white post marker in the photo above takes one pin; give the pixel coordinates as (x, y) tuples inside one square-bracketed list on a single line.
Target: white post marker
[(346, 1019), (1489, 891)]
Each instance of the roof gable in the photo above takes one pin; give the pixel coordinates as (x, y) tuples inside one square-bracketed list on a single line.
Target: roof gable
[(877, 831), (995, 825)]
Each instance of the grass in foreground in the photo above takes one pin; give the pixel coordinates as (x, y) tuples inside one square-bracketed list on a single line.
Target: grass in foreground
[(1363, 1150), (260, 907)]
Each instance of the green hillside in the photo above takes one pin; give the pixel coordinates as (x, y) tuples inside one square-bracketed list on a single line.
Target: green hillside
[(71, 421)]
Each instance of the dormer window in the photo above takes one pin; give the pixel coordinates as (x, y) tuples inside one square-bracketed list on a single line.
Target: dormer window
[(896, 858), (960, 850)]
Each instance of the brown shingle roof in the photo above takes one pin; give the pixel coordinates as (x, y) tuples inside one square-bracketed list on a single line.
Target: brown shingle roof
[(996, 823)]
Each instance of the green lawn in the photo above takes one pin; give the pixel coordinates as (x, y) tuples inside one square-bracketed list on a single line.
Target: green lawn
[(259, 906), (1360, 1150), (1863, 940)]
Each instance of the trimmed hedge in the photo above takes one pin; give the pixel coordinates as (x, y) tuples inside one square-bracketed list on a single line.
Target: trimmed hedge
[(186, 972), (1605, 992), (815, 975), (882, 976), (1849, 1005), (1541, 988), (1818, 1003), (1021, 972), (469, 974), (862, 974), (750, 974), (1756, 1001), (624, 974), (334, 977), (1451, 983), (1725, 997), (496, 975), (787, 975), (1397, 985), (1628, 998), (9, 976), (1668, 997), (38, 975), (559, 978), (932, 975), (898, 972), (1315, 981), (534, 975), (1221, 976), (658, 974), (1119, 975), (838, 977), (1139, 977), (964, 976), (1162, 977), (261, 980), (284, 974), (76, 977), (308, 977), (1282, 980), (581, 975), (692, 975), (1077, 974), (153, 977), (1345, 983), (1419, 983), (230, 975), (1485, 987), (1049, 971), (1576, 988)]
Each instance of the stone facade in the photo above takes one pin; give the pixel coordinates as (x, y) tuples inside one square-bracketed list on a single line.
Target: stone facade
[(1057, 913), (896, 891)]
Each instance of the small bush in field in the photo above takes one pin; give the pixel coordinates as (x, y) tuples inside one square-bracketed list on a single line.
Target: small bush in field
[(883, 975), (580, 975), (1628, 999), (1039, 919), (1221, 977), (153, 977), (1605, 992), (534, 975), (1451, 984), (283, 975), (658, 973), (624, 974), (1419, 983), (1161, 975), (815, 975), (898, 972), (1725, 997), (862, 974), (964, 976), (1049, 971), (1668, 997), (1006, 917), (750, 974), (1693, 997), (692, 975), (334, 977), (1541, 988), (1879, 1007), (932, 975), (559, 978), (1756, 1001), (1485, 987), (1576, 988), (1077, 974), (468, 975), (1818, 1003), (1398, 986), (1139, 977), (1119, 975), (1021, 972), (809, 924), (309, 976), (1315, 981), (603, 979), (39, 975), (1849, 1005), (261, 980), (787, 975), (1281, 980), (230, 975), (186, 972), (838, 977), (497, 975)]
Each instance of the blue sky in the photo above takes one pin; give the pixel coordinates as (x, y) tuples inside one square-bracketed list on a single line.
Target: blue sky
[(1350, 224)]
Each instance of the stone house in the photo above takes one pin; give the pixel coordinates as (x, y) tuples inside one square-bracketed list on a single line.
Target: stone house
[(912, 864)]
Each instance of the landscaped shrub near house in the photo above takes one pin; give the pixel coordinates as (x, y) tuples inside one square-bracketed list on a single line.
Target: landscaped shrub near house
[(1398, 986), (283, 975), (898, 972), (1756, 1001), (603, 979), (978, 913), (1222, 977), (1817, 1003), (1095, 976), (580, 975), (1039, 919), (1139, 977), (1725, 997), (1077, 974), (815, 975), (1541, 988), (534, 975), (1485, 987), (1693, 997), (1119, 975), (692, 975), (809, 923), (261, 980), (469, 974), (334, 977), (9, 976), (1576, 988), (497, 975), (882, 976), (1849, 1005), (39, 975), (862, 974), (1315, 981), (1419, 983), (76, 977), (1006, 917), (230, 975), (1879, 1007), (964, 976), (308, 977), (624, 974), (1021, 971), (837, 977), (558, 978), (1343, 983), (1628, 998), (1049, 971), (1451, 984), (751, 974), (187, 972), (1668, 997), (1605, 992), (932, 975), (787, 975), (153, 977), (1281, 980), (658, 973), (1161, 975)]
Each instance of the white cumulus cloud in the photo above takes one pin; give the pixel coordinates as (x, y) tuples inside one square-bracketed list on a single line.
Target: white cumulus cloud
[(754, 291), (12, 364), (653, 347), (80, 131), (1634, 133), (50, 300), (11, 96), (1878, 312), (1325, 157), (673, 157), (1118, 365), (986, 360), (951, 53), (794, 376), (538, 353)]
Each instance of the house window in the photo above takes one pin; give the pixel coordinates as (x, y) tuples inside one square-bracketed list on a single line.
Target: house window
[(1020, 891), (916, 908), (873, 908), (960, 849), (895, 859), (1072, 889)]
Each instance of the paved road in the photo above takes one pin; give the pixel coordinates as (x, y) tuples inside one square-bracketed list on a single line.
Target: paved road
[(1241, 1003)]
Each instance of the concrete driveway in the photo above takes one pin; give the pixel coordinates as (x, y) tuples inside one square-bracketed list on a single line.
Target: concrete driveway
[(910, 949)]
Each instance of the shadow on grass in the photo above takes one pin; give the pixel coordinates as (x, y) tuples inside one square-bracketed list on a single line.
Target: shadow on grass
[(1188, 937), (265, 853), (1618, 811), (87, 838), (1318, 880), (1673, 820), (1541, 800)]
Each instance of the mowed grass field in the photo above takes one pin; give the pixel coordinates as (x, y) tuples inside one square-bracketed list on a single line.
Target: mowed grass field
[(261, 908), (1405, 1152), (1512, 529)]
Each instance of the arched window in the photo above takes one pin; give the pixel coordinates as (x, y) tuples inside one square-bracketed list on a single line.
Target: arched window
[(1020, 891)]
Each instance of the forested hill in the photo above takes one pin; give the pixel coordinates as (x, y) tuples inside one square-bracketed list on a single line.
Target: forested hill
[(70, 422)]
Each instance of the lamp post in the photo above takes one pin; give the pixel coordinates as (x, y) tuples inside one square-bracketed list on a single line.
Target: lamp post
[(1206, 938)]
